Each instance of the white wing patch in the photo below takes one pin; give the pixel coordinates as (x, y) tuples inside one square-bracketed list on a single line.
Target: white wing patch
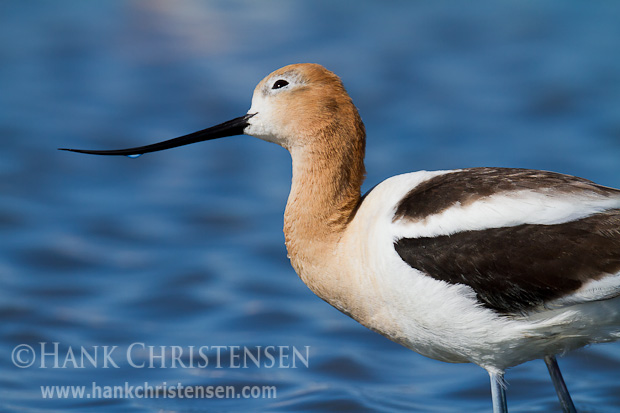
[(603, 289), (506, 209)]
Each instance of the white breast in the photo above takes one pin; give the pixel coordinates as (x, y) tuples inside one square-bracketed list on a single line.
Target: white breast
[(441, 320)]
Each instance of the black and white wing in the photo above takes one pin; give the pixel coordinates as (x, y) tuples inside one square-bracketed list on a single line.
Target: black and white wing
[(521, 239)]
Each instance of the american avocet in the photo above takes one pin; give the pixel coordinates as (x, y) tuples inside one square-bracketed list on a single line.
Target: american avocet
[(491, 266)]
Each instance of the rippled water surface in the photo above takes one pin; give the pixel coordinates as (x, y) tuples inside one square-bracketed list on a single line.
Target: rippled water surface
[(184, 248)]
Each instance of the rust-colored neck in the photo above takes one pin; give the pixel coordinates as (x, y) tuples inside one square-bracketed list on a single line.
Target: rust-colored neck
[(325, 191)]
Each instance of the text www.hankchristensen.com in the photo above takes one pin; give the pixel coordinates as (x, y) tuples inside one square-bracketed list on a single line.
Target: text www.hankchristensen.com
[(162, 391)]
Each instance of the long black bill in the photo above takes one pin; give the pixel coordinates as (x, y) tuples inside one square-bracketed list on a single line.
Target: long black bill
[(232, 127)]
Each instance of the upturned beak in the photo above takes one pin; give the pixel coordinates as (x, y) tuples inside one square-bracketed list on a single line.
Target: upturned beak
[(231, 128)]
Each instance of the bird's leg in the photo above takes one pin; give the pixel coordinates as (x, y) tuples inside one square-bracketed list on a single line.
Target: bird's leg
[(560, 386), (498, 392)]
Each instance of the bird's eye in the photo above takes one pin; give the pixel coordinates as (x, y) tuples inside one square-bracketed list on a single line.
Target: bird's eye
[(279, 84)]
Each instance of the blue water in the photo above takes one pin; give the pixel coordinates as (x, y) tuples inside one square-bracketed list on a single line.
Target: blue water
[(184, 248)]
